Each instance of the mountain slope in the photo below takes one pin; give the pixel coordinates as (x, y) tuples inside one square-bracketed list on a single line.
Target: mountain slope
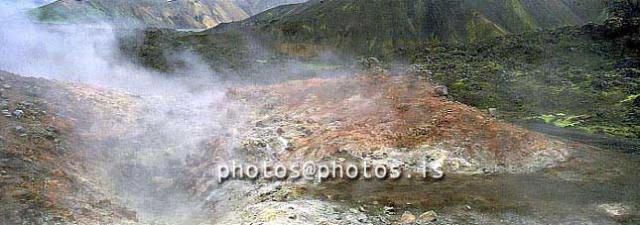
[(381, 27), (142, 13), (183, 14), (370, 28), (253, 7), (585, 78)]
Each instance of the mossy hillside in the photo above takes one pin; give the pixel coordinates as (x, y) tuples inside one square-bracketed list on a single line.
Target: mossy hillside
[(563, 77), (164, 49), (382, 28), (573, 72), (564, 73)]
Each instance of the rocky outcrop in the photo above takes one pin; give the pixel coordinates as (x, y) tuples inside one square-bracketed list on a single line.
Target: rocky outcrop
[(388, 120), (622, 26)]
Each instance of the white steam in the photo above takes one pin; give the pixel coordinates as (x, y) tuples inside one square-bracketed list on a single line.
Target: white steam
[(181, 112)]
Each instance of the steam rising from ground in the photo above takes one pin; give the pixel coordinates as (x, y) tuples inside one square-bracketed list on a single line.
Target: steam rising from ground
[(181, 112)]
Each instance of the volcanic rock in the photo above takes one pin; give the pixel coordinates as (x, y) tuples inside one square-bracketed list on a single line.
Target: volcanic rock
[(428, 216), (441, 91), (18, 113), (20, 130), (407, 217), (617, 211), (394, 117)]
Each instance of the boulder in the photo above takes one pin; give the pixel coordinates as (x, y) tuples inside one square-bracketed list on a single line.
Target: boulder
[(21, 130), (372, 62), (21, 193), (493, 112), (389, 210), (617, 211), (428, 216), (631, 73), (407, 217), (18, 113), (627, 63), (129, 214), (373, 65), (441, 91), (419, 71)]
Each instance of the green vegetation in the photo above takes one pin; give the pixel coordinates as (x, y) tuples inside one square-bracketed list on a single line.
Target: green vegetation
[(385, 28), (589, 75), (585, 78), (161, 49)]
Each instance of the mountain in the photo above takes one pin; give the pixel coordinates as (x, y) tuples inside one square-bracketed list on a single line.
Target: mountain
[(382, 27), (185, 14), (366, 28), (254, 7), (182, 14), (372, 28), (584, 77)]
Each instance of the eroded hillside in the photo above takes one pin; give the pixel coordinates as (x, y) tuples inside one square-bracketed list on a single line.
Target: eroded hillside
[(187, 14), (178, 14)]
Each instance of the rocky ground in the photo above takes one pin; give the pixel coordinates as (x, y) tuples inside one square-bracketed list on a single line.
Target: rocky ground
[(399, 120), (142, 150), (42, 180), (79, 154), (389, 118)]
